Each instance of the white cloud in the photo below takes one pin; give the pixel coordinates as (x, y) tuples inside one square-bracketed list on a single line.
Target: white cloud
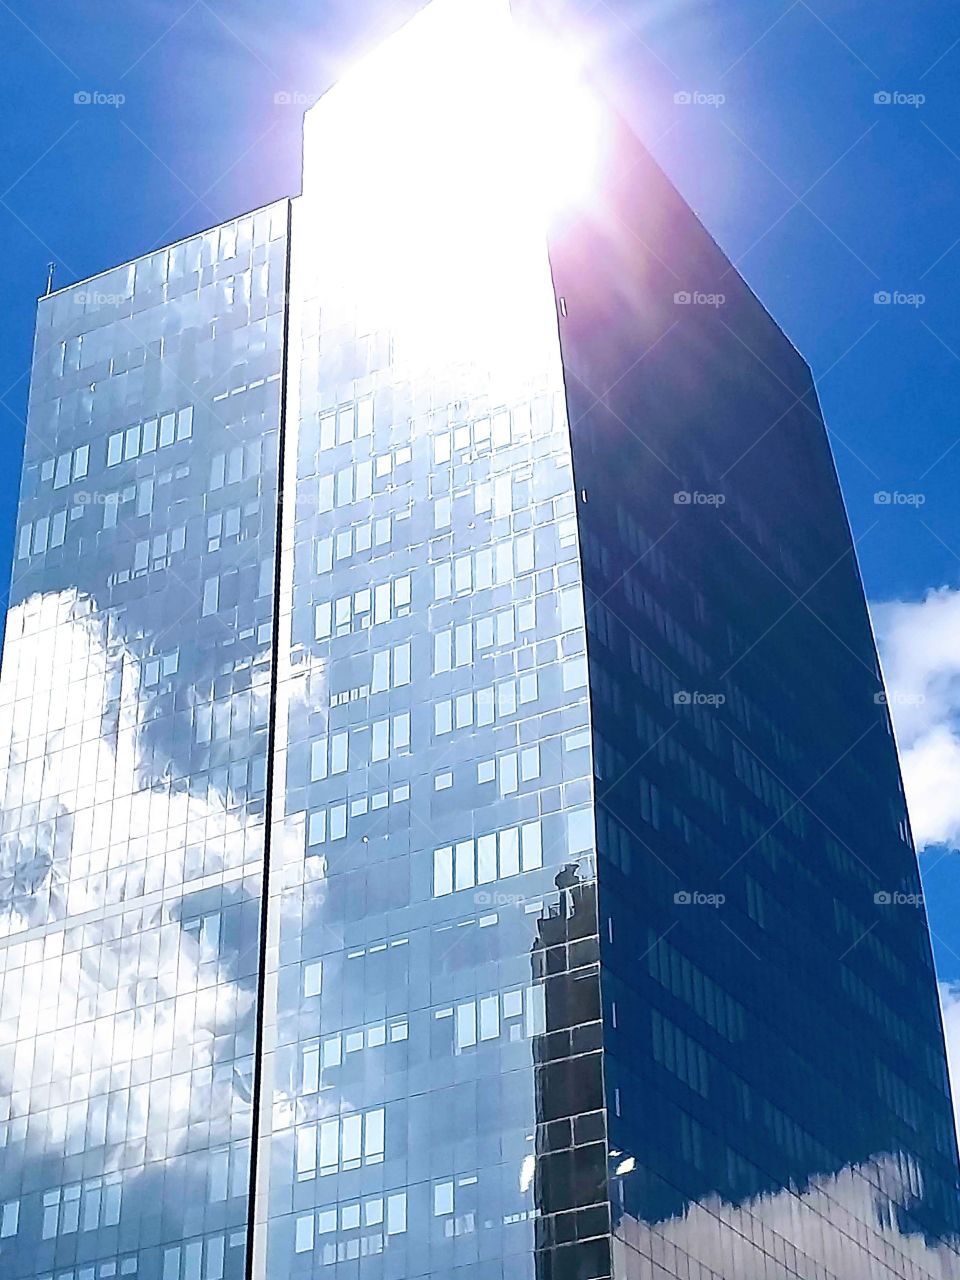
[(78, 816), (813, 1218), (920, 651)]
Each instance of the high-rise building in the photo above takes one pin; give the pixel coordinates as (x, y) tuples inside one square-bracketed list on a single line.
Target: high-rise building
[(451, 821)]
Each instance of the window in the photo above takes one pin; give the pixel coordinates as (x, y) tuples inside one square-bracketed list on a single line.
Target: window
[(490, 857), (143, 437), (9, 1219), (340, 1143)]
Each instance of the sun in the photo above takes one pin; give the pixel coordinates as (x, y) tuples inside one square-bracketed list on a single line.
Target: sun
[(432, 173)]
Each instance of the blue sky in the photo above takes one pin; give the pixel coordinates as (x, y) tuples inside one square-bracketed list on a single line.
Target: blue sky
[(823, 195)]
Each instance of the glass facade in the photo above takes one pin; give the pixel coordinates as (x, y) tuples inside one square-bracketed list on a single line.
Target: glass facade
[(451, 824), (773, 1057), (135, 711), (433, 774)]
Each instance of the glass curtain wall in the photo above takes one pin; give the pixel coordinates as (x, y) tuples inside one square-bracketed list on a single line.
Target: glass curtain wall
[(133, 720)]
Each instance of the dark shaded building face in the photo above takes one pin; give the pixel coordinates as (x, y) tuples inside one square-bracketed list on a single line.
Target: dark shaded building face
[(451, 825), (773, 1060)]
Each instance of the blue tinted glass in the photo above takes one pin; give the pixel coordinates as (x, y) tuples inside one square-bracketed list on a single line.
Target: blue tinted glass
[(135, 706), (774, 1068), (432, 998)]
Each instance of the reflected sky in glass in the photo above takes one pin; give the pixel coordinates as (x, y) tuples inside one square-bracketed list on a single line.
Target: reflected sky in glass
[(416, 876)]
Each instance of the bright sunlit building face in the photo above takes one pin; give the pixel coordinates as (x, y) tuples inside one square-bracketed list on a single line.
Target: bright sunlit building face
[(432, 172)]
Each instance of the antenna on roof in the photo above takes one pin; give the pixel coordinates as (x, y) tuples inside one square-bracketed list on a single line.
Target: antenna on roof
[(51, 268)]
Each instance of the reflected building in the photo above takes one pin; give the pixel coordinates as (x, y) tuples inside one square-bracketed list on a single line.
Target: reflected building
[(451, 821)]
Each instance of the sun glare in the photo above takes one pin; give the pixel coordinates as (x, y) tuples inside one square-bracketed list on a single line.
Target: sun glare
[(433, 169)]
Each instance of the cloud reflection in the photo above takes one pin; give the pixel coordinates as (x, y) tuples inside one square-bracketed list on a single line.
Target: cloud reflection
[(130, 1007)]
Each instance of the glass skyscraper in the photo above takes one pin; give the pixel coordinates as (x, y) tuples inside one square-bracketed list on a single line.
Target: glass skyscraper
[(451, 821)]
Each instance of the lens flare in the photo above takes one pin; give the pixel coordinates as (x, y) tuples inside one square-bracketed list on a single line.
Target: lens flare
[(431, 173)]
